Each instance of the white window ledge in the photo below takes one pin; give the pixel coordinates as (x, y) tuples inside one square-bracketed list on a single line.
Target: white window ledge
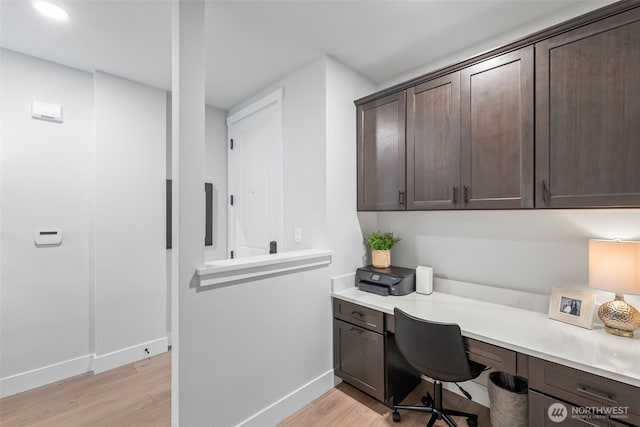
[(241, 269)]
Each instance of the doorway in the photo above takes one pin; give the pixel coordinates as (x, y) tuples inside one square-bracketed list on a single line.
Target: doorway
[(255, 178)]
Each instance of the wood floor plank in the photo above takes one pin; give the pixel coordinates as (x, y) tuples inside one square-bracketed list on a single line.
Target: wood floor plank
[(346, 406), (139, 395)]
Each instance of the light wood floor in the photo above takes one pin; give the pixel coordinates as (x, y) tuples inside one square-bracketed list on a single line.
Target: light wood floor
[(345, 406), (139, 394)]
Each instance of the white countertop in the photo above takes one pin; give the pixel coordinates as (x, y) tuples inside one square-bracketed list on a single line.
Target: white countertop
[(524, 331)]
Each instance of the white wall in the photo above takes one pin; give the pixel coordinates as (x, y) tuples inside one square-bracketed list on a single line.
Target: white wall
[(475, 47), (304, 155), (344, 233), (215, 172), (169, 159), (190, 331), (130, 246), (263, 348), (99, 176), (45, 182), (530, 250)]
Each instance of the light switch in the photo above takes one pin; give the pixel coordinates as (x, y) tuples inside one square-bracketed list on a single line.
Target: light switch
[(297, 234)]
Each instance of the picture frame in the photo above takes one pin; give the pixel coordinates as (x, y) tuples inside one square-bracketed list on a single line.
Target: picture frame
[(572, 306)]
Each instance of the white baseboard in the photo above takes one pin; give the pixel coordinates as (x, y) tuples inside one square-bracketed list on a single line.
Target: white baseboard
[(289, 404), (69, 368), (129, 355), (46, 375)]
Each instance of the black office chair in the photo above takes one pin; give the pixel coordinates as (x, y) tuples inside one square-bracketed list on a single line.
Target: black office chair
[(437, 351)]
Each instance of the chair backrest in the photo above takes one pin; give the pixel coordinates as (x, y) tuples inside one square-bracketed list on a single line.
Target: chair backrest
[(434, 349)]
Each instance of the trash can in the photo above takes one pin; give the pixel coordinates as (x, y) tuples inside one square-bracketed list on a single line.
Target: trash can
[(508, 400)]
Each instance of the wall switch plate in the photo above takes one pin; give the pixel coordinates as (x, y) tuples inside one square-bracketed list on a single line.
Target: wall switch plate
[(297, 234)]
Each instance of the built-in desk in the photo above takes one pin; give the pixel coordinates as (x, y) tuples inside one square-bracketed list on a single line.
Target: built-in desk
[(577, 366)]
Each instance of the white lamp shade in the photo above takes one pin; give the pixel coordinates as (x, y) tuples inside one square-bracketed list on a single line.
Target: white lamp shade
[(614, 266)]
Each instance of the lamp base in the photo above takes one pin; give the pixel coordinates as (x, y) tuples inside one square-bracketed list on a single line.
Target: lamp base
[(619, 317), (619, 332)]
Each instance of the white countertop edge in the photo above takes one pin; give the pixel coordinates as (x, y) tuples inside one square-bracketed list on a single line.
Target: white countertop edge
[(230, 270), (539, 352)]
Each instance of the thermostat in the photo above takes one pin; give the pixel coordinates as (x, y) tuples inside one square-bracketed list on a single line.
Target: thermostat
[(48, 236), (45, 111)]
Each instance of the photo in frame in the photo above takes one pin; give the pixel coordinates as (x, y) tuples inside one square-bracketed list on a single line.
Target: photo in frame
[(572, 306)]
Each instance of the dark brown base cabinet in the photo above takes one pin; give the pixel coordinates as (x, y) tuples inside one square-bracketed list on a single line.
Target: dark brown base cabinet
[(366, 357), (540, 406), (359, 357), (553, 383), (475, 136)]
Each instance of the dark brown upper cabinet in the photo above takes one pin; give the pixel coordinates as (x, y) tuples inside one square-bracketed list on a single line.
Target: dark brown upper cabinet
[(588, 115), (381, 154), (497, 132), (433, 144), (470, 137)]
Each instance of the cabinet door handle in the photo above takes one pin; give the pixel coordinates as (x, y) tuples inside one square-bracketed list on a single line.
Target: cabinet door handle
[(357, 313), (597, 394), (401, 197), (455, 195), (546, 195), (359, 331), (465, 190)]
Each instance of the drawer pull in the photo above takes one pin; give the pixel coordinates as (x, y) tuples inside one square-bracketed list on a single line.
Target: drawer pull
[(598, 394), (357, 313), (360, 331)]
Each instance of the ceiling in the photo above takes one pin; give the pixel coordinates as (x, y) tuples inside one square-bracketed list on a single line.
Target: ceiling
[(250, 44)]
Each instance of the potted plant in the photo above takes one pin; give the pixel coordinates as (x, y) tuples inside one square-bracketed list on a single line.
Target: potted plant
[(381, 244)]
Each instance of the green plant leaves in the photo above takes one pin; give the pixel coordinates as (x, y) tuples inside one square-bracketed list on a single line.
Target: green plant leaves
[(381, 241)]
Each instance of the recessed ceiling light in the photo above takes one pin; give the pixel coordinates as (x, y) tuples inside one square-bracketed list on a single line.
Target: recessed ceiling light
[(51, 10)]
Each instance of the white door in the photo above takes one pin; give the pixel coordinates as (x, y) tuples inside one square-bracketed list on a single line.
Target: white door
[(255, 178)]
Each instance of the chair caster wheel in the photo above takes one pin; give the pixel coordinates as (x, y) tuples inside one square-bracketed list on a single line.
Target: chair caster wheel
[(427, 400), (396, 416), (472, 422)]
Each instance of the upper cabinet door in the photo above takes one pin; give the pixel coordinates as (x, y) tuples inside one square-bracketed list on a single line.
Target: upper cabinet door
[(588, 115), (433, 144), (381, 154), (497, 132)]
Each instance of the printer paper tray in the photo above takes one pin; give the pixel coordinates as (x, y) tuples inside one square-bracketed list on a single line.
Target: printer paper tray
[(376, 289)]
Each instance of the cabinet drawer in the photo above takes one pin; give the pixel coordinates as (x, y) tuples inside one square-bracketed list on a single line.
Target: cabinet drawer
[(490, 355), (583, 388), (359, 315), (539, 416)]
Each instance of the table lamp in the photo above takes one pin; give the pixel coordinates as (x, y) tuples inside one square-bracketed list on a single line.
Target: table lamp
[(615, 266)]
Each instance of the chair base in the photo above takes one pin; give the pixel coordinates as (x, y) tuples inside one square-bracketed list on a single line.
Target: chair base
[(434, 407)]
